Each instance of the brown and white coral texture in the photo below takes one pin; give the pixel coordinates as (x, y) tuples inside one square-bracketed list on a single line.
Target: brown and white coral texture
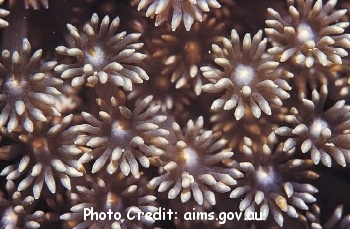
[(186, 105)]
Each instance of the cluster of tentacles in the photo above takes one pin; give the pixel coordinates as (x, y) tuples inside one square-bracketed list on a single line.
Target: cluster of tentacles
[(199, 107)]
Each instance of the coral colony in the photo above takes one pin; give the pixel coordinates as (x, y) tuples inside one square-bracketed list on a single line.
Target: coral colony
[(174, 114)]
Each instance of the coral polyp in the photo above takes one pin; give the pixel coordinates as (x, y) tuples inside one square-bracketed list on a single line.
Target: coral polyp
[(249, 77), (322, 132), (249, 126), (207, 113), (192, 165), (185, 52), (103, 55), (337, 220), (27, 89), (125, 137), (31, 4), (123, 196), (172, 100), (3, 13), (273, 182), (17, 211), (311, 34), (187, 11), (43, 162)]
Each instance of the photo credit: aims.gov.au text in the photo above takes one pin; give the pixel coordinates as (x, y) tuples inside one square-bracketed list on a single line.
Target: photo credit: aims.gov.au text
[(134, 214)]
